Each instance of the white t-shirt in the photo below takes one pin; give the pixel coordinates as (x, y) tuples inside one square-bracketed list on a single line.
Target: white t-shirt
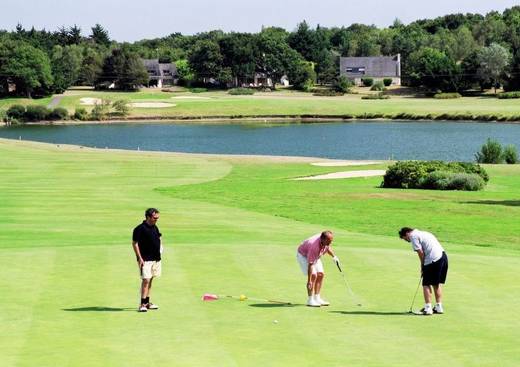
[(429, 245)]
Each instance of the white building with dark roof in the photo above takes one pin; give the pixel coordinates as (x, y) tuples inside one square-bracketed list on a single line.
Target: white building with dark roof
[(377, 67), (160, 73)]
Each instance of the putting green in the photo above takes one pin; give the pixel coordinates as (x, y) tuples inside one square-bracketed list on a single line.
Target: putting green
[(231, 226)]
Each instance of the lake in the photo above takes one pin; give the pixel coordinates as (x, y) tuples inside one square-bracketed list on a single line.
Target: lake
[(340, 140)]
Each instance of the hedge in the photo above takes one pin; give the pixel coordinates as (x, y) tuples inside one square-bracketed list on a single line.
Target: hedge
[(436, 175)]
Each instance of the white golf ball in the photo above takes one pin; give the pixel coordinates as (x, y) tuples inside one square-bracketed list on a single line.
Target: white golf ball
[(275, 321)]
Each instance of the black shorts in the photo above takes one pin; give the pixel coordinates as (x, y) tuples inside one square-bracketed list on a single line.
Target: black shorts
[(435, 273)]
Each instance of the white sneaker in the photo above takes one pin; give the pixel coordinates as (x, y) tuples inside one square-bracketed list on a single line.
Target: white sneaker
[(321, 301), (426, 311), (311, 302), (143, 308), (438, 308), (151, 306)]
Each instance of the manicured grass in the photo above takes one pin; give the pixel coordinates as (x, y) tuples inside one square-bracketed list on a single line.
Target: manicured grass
[(231, 226), (293, 103)]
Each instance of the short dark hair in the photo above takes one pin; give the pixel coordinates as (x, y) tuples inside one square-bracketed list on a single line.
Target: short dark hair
[(150, 212), (404, 231)]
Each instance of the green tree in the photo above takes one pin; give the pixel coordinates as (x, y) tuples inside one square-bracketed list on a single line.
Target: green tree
[(91, 67), (274, 57), (206, 60), (184, 71), (303, 40), (493, 62), (302, 75), (433, 69), (66, 66), (100, 35), (28, 67), (125, 69), (238, 53)]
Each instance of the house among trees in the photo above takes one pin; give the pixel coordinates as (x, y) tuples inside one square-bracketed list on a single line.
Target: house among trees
[(160, 73), (377, 67)]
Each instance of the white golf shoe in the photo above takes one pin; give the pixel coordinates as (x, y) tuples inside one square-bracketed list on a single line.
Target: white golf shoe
[(312, 302), (426, 311), (143, 308), (151, 306), (321, 301), (438, 308)]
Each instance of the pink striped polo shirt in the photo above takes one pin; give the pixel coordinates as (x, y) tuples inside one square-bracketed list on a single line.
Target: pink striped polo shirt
[(310, 248)]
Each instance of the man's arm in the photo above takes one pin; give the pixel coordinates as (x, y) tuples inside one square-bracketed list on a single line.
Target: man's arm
[(420, 253), (309, 274), (334, 257), (138, 257)]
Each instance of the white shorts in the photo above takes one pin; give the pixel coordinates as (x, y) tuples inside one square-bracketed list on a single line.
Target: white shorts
[(151, 269), (315, 269)]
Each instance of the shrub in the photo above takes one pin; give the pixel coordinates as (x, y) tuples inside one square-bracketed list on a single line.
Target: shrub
[(510, 154), (379, 95), (447, 95), (36, 113), (387, 82), (241, 92), (59, 113), (379, 86), (100, 111), (490, 152), (16, 111), (435, 175), (509, 95), (342, 84), (198, 90), (3, 115), (81, 114), (121, 107), (465, 182), (326, 92), (367, 82)]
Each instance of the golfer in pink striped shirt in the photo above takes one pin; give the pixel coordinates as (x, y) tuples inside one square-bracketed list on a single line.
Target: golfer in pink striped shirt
[(308, 256)]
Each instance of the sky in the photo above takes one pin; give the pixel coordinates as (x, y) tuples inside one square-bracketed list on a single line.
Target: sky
[(131, 20)]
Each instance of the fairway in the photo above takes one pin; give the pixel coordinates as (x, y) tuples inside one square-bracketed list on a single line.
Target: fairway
[(231, 226)]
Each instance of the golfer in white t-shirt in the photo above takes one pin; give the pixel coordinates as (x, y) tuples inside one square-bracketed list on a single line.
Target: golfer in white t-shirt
[(434, 265)]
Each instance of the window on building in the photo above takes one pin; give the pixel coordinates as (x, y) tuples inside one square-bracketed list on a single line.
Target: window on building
[(356, 70)]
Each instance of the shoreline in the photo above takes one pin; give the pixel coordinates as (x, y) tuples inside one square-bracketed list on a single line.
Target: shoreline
[(402, 117), (271, 158)]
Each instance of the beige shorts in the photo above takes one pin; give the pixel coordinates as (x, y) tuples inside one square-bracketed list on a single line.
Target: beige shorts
[(151, 269), (317, 267)]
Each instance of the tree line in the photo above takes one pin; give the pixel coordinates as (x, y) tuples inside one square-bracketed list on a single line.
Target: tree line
[(456, 52)]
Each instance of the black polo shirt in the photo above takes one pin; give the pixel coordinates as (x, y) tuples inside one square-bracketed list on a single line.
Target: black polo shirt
[(148, 239)]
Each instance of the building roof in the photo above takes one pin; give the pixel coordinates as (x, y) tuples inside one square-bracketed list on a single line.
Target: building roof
[(378, 66), (157, 70)]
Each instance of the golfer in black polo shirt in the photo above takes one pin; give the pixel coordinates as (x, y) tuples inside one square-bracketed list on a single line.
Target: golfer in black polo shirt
[(146, 241)]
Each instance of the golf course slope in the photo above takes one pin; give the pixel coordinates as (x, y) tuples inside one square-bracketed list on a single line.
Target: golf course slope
[(231, 226)]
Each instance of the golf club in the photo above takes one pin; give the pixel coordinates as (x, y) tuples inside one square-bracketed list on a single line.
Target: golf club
[(354, 297), (214, 297), (415, 295)]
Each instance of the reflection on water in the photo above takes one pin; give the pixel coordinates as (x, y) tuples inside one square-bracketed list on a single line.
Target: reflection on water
[(352, 140)]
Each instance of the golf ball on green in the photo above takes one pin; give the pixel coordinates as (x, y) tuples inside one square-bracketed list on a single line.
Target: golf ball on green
[(275, 321)]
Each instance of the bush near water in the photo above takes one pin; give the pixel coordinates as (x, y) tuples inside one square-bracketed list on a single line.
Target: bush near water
[(435, 175)]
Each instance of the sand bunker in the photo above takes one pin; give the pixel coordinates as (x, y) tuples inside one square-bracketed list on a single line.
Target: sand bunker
[(89, 101), (151, 105), (344, 174)]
